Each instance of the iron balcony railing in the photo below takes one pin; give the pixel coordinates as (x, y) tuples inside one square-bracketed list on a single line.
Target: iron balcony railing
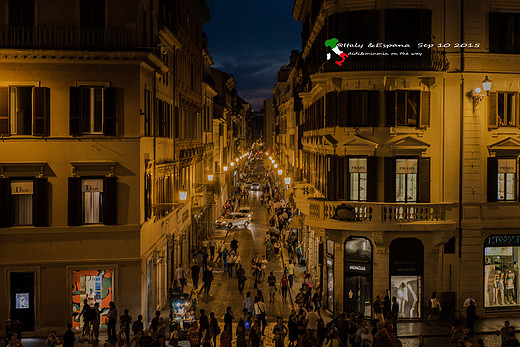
[(50, 37)]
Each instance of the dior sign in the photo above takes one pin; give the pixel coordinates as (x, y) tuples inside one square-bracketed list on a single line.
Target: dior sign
[(21, 187)]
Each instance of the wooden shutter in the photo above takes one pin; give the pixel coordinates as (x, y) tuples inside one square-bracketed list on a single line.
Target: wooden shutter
[(389, 179), (390, 106), (342, 114), (75, 111), (40, 202), (492, 179), (109, 111), (342, 173), (517, 109), (4, 110), (373, 108), (372, 179), (492, 110), (5, 200), (110, 200), (75, 211), (424, 180), (424, 115), (41, 111), (494, 32)]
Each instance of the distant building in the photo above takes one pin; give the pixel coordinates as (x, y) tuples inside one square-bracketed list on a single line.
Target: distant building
[(267, 131)]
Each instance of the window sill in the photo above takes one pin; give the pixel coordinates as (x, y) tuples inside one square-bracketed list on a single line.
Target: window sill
[(404, 130), (505, 130)]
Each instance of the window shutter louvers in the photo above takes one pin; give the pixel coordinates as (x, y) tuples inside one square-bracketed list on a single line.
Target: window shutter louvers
[(390, 108), (40, 202), (342, 114), (372, 179), (492, 179), (41, 111), (517, 109), (5, 203), (492, 110), (75, 111), (389, 179), (110, 200), (373, 108), (424, 115), (109, 111), (74, 203), (424, 180), (4, 110), (494, 32)]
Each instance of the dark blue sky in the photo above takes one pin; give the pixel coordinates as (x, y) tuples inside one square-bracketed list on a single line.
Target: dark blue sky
[(251, 40)]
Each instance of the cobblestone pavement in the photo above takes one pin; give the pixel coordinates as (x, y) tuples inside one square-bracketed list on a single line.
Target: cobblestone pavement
[(489, 341)]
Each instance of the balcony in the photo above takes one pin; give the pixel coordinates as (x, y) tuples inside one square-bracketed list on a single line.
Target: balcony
[(334, 214), (46, 37), (430, 60)]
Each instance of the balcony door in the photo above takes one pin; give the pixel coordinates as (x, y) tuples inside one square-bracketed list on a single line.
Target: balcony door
[(21, 13)]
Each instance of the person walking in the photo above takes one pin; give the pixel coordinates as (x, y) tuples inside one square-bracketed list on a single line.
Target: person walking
[(378, 309), (96, 320), (435, 308), (207, 278), (394, 313), (271, 281), (212, 244), (85, 312), (68, 336), (138, 326), (248, 304), (228, 319), (268, 246), (471, 316), (290, 272), (204, 259), (225, 338), (386, 305), (230, 263), (284, 285), (195, 271), (180, 276), (241, 278), (241, 334), (260, 313), (214, 327), (279, 332), (125, 321), (293, 328), (112, 320)]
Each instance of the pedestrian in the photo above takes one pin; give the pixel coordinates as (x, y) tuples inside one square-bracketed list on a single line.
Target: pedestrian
[(284, 285), (290, 272), (230, 263), (386, 305), (471, 316), (456, 333), (228, 319), (221, 248), (234, 244), (138, 326), (241, 334), (268, 248), (299, 253), (378, 308), (271, 280), (68, 336), (224, 259), (112, 320), (195, 271), (174, 336), (468, 301), (180, 277), (504, 333), (279, 332), (312, 322), (214, 327), (52, 340), (248, 303), (154, 326), (366, 338), (255, 335), (241, 278), (422, 342), (225, 338), (394, 313), (204, 259), (435, 306), (207, 278), (85, 312), (212, 244), (96, 321), (194, 335), (260, 313), (125, 321)]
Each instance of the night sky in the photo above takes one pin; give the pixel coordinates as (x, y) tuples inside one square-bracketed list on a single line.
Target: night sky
[(251, 40)]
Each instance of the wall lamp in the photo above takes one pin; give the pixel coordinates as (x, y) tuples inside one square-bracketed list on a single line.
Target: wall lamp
[(478, 95)]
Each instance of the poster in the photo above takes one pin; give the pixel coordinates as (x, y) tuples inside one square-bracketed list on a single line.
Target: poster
[(95, 286), (22, 301)]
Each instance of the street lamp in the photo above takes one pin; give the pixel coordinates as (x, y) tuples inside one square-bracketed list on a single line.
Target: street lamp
[(280, 172), (275, 166), (477, 96), (272, 161), (183, 195), (232, 164), (225, 168), (236, 159), (210, 177), (287, 180)]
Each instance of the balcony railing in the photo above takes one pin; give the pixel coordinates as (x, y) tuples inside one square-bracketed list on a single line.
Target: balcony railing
[(384, 212), (46, 37), (430, 60)]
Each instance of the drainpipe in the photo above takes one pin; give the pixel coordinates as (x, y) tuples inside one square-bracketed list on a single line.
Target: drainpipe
[(461, 150)]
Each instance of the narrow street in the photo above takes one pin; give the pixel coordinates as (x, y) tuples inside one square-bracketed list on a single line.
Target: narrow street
[(224, 290)]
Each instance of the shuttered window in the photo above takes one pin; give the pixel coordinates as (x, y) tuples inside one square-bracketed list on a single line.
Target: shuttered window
[(407, 108), (93, 111), (25, 202), (92, 200), (407, 179)]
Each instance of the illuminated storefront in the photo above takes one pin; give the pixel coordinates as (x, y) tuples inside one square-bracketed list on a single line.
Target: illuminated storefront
[(95, 285), (501, 253), (358, 276), (329, 276)]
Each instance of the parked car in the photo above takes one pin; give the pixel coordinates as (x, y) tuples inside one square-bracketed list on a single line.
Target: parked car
[(256, 186), (233, 221)]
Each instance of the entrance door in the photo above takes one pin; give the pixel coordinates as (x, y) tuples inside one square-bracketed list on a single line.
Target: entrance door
[(22, 299), (357, 295)]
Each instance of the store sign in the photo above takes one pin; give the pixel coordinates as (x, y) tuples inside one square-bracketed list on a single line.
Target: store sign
[(358, 165), (330, 247), (502, 240), (406, 166), (507, 166), (93, 186), (406, 269), (21, 187), (359, 268)]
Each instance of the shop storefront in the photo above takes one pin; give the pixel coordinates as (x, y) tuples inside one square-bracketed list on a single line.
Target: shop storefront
[(358, 276), (22, 298), (329, 277), (501, 254), (406, 276), (96, 286)]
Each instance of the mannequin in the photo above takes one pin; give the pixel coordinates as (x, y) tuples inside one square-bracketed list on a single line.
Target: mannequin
[(402, 298), (496, 287), (501, 288), (510, 287)]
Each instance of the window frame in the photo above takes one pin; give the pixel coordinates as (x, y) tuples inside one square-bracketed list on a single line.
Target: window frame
[(349, 191), (406, 180), (515, 180)]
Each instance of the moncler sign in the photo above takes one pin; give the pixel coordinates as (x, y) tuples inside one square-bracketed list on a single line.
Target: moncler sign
[(21, 187), (92, 186)]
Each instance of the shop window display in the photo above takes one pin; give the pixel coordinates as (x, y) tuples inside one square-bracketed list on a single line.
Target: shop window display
[(408, 291), (501, 280)]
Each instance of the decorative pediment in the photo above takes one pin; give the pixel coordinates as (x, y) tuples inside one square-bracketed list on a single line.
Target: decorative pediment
[(407, 145), (356, 145), (505, 147)]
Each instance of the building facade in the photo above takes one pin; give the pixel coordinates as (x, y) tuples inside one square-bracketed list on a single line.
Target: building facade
[(405, 172)]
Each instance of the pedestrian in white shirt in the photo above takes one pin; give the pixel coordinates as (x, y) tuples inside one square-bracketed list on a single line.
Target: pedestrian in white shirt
[(312, 322), (180, 276)]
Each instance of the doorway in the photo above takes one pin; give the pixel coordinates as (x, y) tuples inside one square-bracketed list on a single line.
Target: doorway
[(22, 299)]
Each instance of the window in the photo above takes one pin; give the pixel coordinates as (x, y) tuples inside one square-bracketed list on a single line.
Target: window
[(22, 200), (501, 280), (406, 180), (92, 13), (92, 200), (357, 170), (24, 110), (506, 109), (147, 195), (407, 108), (506, 180), (25, 201), (504, 33), (363, 109), (92, 110)]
